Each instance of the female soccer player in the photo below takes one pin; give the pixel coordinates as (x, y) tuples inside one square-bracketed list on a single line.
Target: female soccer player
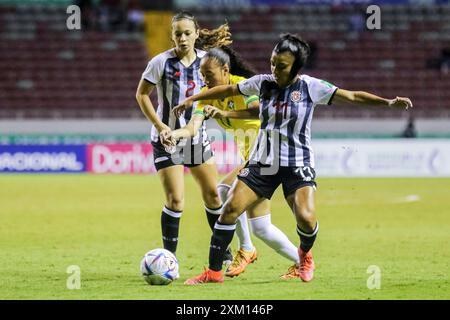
[(217, 68), (283, 153), (175, 73)]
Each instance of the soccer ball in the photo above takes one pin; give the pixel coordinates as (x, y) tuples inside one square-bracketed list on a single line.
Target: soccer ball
[(159, 267)]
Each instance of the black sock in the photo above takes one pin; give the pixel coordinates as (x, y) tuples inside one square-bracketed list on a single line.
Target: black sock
[(220, 240), (307, 239), (212, 215), (170, 223)]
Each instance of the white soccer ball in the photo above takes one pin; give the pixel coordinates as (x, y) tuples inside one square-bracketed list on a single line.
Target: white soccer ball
[(159, 267)]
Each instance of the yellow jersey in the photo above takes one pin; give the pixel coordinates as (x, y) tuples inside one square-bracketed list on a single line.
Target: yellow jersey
[(244, 131)]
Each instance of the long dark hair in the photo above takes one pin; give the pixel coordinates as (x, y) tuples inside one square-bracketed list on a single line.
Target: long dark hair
[(299, 49), (227, 56)]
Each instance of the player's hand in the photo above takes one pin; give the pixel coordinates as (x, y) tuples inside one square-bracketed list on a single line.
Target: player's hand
[(214, 112), (166, 138), (179, 109), (162, 127), (400, 102)]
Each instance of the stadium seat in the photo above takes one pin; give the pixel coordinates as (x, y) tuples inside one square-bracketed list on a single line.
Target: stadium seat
[(96, 73)]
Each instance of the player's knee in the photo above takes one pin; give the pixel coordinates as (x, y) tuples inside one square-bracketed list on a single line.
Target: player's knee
[(175, 202), (307, 215), (231, 211), (212, 199)]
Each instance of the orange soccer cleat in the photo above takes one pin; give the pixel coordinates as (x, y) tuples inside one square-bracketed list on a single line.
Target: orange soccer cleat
[(293, 272), (306, 269), (242, 259), (206, 276)]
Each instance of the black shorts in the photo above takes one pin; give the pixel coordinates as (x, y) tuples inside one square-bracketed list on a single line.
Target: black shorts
[(188, 156), (264, 185)]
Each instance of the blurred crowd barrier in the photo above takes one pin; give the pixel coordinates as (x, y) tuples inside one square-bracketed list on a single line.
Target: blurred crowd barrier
[(334, 158)]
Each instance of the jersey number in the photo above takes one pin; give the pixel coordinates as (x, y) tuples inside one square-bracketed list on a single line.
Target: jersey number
[(281, 108), (190, 89), (306, 173)]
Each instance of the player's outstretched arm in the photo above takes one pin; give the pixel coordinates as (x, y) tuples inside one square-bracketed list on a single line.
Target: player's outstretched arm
[(219, 92), (368, 99), (250, 113), (170, 138)]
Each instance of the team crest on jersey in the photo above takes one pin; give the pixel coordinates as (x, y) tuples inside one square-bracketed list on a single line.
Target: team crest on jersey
[(231, 105), (244, 172), (296, 96)]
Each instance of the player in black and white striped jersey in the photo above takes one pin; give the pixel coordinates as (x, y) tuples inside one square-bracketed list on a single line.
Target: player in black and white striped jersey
[(283, 153), (174, 82), (286, 117), (175, 74)]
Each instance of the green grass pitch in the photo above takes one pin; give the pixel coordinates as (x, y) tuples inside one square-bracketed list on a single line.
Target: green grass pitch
[(104, 225)]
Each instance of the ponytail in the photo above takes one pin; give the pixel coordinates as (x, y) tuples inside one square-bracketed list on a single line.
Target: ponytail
[(215, 38), (217, 42), (238, 66)]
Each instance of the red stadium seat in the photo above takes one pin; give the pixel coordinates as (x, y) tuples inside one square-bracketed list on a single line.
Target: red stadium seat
[(84, 76)]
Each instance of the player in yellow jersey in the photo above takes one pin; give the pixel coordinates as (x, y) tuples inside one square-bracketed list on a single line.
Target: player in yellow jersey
[(248, 128), (215, 68)]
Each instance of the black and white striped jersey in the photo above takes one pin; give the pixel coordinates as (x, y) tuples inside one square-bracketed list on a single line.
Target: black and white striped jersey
[(175, 82), (286, 115)]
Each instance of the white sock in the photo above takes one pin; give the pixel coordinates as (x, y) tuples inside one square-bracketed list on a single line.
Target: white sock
[(243, 233), (242, 230), (222, 190), (263, 228)]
